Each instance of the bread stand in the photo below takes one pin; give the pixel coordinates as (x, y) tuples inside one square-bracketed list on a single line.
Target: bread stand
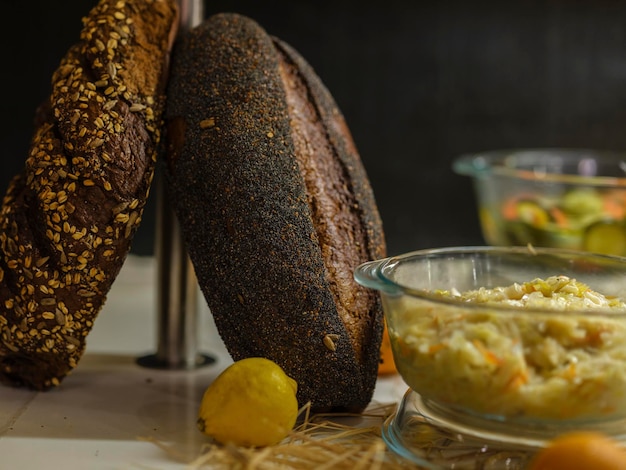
[(177, 288)]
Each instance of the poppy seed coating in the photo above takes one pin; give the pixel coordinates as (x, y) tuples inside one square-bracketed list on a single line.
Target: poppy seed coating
[(275, 208)]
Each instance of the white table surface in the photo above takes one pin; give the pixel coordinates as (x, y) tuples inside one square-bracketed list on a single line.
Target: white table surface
[(102, 413)]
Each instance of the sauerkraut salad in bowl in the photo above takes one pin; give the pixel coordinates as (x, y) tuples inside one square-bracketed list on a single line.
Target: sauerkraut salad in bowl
[(511, 335)]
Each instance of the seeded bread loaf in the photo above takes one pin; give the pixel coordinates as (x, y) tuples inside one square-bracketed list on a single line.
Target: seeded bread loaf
[(68, 220), (276, 209)]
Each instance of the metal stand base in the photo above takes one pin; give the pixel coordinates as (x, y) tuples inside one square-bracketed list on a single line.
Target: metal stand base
[(153, 361)]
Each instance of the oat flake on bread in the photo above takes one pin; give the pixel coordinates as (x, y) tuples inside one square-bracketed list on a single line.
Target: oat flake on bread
[(68, 219)]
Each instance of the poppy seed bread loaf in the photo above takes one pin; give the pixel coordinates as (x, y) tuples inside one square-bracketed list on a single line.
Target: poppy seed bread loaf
[(275, 208), (68, 219)]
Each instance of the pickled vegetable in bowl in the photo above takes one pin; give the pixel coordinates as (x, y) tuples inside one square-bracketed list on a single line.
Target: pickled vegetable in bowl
[(571, 199), (533, 338)]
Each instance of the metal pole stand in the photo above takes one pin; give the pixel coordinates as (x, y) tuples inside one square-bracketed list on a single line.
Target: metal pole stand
[(177, 287), (177, 296)]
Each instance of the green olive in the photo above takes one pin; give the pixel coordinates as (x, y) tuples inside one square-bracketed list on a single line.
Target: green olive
[(607, 238), (580, 202)]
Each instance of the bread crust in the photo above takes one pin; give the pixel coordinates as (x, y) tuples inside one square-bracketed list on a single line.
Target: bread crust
[(276, 209), (68, 219)]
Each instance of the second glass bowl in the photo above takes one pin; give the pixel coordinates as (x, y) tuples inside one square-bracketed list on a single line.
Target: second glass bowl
[(560, 198)]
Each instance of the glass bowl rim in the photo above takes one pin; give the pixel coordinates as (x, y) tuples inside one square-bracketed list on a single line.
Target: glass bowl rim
[(483, 164), (372, 274)]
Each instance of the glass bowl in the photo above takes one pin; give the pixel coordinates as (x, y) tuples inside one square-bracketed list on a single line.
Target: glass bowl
[(560, 198), (507, 346)]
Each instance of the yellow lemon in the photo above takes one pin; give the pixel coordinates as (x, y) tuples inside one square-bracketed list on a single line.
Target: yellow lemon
[(252, 403)]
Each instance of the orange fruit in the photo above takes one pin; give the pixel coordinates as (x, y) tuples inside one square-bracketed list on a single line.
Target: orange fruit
[(582, 450), (387, 366)]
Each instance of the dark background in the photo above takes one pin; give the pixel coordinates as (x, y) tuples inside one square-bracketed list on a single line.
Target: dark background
[(418, 82)]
